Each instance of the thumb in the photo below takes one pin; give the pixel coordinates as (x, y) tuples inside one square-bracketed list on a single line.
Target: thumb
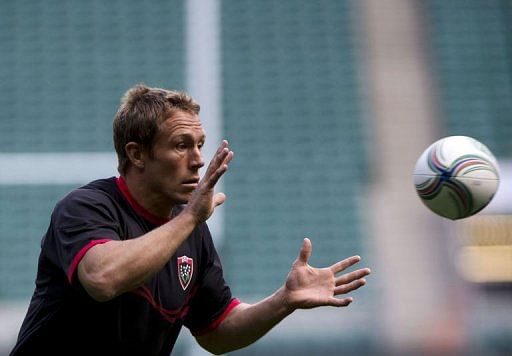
[(218, 199), (305, 251)]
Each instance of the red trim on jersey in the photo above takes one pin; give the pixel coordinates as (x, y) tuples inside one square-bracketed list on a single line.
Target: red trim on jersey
[(78, 257), (215, 324), (157, 220), (168, 314)]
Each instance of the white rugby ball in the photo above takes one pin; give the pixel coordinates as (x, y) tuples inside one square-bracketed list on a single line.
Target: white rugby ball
[(456, 177)]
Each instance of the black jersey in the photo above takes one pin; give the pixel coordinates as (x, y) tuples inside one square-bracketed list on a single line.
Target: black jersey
[(63, 319)]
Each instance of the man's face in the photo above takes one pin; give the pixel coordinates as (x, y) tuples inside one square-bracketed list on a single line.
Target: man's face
[(173, 170)]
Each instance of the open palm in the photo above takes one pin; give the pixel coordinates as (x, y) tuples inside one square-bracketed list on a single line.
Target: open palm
[(308, 287)]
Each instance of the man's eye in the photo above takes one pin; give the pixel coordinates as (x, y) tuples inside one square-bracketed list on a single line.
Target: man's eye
[(181, 146), (200, 145)]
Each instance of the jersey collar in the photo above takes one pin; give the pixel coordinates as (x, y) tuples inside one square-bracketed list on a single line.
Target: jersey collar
[(157, 220)]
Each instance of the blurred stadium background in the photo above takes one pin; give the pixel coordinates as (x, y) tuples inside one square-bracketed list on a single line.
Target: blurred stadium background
[(327, 104)]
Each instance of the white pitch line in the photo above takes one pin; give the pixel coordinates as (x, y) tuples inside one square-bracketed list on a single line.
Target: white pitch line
[(55, 168)]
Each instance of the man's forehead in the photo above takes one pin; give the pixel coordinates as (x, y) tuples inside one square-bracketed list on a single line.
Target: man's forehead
[(182, 122)]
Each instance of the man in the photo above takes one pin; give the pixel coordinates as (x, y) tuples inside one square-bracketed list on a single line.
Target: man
[(127, 261)]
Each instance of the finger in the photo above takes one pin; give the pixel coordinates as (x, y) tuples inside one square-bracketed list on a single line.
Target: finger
[(222, 145), (352, 276), (228, 158), (342, 265), (219, 199), (218, 158), (346, 288), (214, 177), (335, 302), (305, 251), (216, 162)]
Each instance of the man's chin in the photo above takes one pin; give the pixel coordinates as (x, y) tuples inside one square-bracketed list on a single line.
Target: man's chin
[(183, 199)]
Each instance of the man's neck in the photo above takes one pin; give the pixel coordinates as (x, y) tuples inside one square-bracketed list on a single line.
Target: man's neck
[(151, 201)]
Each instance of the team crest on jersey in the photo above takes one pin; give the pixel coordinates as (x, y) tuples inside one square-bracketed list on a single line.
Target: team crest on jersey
[(185, 270)]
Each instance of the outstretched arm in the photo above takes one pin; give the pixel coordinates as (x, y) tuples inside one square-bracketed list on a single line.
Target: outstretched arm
[(306, 287), (110, 269)]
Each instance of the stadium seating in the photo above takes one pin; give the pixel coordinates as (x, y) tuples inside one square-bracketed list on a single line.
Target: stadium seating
[(64, 67), (470, 44), (291, 112)]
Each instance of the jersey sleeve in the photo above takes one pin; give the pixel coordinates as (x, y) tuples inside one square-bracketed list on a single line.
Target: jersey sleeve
[(213, 300), (80, 221)]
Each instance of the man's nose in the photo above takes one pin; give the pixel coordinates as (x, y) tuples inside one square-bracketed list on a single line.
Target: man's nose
[(196, 160)]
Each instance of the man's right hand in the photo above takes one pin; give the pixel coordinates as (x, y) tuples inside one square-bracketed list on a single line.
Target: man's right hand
[(203, 201)]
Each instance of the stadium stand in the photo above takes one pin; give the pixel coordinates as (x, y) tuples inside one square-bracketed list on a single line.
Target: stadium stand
[(64, 69), (471, 48), (292, 113), (471, 44)]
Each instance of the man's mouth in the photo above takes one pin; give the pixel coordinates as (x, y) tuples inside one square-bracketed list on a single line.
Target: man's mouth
[(192, 182)]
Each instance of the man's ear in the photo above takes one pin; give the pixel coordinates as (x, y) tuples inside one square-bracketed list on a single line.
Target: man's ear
[(135, 154)]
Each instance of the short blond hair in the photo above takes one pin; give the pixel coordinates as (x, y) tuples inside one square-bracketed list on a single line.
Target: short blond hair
[(141, 112)]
